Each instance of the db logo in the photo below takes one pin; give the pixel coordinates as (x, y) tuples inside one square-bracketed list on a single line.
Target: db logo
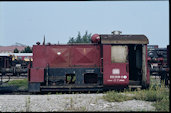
[(115, 71)]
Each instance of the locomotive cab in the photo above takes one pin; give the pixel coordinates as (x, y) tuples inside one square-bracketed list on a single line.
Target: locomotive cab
[(125, 61)]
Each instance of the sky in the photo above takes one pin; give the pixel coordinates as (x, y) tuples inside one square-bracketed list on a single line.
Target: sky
[(28, 22)]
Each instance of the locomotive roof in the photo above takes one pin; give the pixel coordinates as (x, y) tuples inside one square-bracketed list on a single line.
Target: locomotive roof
[(124, 39)]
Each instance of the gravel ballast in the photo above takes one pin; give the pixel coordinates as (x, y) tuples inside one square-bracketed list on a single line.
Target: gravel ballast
[(68, 102)]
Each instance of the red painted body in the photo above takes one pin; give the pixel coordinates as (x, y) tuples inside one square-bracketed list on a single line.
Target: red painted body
[(38, 75), (110, 77), (66, 56), (95, 38), (60, 56), (85, 56)]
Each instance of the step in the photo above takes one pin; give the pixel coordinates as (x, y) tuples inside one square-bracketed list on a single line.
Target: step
[(138, 87), (134, 86), (131, 82)]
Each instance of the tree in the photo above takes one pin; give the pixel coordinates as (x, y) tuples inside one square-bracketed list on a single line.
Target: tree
[(86, 38), (27, 50), (16, 50), (71, 40), (78, 39)]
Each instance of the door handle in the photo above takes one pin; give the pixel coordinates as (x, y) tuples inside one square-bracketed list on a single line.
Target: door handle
[(127, 68)]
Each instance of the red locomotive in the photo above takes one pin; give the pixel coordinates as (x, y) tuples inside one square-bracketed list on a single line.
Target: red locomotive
[(110, 61)]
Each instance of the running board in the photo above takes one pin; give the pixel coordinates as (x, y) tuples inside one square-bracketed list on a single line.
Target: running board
[(138, 87)]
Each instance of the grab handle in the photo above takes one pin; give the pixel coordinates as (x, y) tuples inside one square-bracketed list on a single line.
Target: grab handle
[(127, 68)]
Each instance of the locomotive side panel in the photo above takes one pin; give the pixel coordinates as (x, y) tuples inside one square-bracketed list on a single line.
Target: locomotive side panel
[(58, 56), (37, 75), (66, 56), (85, 55), (39, 59)]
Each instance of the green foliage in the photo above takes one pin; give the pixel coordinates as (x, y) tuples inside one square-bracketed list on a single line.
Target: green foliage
[(154, 93), (49, 93), (27, 50), (68, 78), (113, 96), (158, 94), (19, 83), (163, 105), (58, 93), (86, 38), (148, 95), (16, 50), (27, 104), (78, 39), (71, 40)]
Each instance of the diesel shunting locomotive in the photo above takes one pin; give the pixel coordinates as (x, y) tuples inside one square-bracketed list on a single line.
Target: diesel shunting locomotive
[(110, 61)]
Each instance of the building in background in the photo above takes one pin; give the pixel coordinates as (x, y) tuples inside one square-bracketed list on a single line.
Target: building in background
[(10, 49)]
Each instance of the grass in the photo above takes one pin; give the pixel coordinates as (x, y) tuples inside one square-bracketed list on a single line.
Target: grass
[(27, 104), (19, 83), (156, 93), (68, 78), (162, 105), (113, 96)]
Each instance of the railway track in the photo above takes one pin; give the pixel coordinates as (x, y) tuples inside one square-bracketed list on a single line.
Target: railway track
[(7, 78), (12, 90), (15, 77), (8, 89)]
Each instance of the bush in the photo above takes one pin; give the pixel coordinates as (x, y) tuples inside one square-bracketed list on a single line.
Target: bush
[(162, 105), (149, 95), (154, 93), (158, 94)]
